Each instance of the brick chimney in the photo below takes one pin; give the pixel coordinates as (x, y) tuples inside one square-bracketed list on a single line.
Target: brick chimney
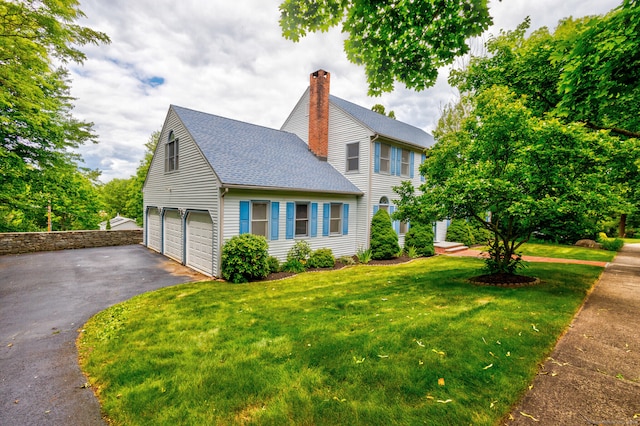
[(319, 114)]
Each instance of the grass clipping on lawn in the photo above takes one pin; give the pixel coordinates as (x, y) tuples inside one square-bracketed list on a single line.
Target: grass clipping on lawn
[(371, 345)]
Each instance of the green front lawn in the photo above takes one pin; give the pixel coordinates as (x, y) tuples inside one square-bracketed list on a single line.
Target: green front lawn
[(365, 345), (566, 252)]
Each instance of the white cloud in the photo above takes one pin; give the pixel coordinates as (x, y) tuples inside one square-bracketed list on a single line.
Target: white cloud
[(229, 58)]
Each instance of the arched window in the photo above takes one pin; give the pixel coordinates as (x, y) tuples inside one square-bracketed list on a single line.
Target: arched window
[(171, 153), (383, 204)]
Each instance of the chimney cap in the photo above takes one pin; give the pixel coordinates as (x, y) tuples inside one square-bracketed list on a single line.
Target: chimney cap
[(319, 73)]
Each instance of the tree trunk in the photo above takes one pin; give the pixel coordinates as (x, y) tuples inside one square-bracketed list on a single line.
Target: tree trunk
[(622, 228)]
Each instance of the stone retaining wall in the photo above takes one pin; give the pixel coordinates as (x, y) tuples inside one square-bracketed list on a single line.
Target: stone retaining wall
[(27, 242)]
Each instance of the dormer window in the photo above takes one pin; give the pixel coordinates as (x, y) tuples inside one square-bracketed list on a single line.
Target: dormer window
[(171, 153)]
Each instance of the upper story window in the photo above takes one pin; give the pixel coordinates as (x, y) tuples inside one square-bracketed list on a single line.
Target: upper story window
[(385, 158), (171, 153), (302, 220), (353, 157), (404, 165)]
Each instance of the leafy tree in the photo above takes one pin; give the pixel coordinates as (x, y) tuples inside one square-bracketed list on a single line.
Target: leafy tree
[(405, 41), (36, 126), (380, 109), (527, 172), (384, 240), (585, 71)]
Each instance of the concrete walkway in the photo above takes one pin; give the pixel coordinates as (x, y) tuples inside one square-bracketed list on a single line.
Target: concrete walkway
[(593, 375)]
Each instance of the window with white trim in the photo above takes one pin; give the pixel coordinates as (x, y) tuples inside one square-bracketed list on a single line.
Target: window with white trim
[(353, 157), (171, 153), (383, 204), (260, 218), (335, 221), (404, 166), (302, 220), (385, 158)]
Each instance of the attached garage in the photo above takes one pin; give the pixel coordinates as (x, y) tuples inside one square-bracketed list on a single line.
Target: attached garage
[(153, 229), (199, 243), (172, 235)]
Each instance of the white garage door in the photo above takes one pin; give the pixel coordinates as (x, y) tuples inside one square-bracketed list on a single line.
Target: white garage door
[(200, 242), (173, 235), (153, 229)]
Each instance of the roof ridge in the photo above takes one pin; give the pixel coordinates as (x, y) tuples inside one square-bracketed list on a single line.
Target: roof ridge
[(230, 119)]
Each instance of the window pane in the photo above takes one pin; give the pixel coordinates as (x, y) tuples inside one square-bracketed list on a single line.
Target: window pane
[(384, 165), (259, 211), (352, 164), (404, 168), (385, 151), (301, 211), (335, 226), (405, 156), (353, 150), (259, 228), (336, 210), (301, 227), (404, 227)]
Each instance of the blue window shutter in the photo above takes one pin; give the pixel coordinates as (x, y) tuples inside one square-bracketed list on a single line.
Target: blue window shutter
[(313, 232), (398, 161), (326, 217), (411, 165), (424, 158), (376, 157), (375, 209), (244, 217), (393, 161), (345, 219), (275, 220), (290, 219)]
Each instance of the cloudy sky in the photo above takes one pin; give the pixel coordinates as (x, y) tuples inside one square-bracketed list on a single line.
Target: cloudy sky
[(228, 58)]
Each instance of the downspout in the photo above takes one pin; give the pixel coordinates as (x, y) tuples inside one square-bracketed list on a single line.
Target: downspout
[(221, 226), (371, 168)]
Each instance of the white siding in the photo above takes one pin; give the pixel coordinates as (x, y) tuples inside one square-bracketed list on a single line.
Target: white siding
[(298, 121), (193, 186), (342, 245), (382, 184)]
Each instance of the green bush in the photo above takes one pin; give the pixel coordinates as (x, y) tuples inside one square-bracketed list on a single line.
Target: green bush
[(364, 255), (481, 235), (411, 251), (611, 244), (300, 251), (293, 265), (459, 231), (273, 264), (245, 257), (420, 238), (347, 260), (321, 258), (384, 240)]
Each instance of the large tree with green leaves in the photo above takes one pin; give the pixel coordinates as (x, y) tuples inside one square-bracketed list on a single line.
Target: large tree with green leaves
[(512, 172), (37, 129), (402, 40), (585, 71)]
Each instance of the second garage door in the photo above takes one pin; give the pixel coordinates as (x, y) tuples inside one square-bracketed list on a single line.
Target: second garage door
[(173, 235), (200, 242)]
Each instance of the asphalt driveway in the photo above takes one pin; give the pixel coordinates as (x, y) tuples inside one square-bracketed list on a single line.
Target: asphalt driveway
[(45, 298)]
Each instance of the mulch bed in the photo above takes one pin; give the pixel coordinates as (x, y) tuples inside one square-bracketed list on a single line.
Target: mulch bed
[(505, 280)]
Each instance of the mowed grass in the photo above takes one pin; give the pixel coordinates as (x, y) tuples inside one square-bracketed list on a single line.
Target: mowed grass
[(366, 345), (566, 252)]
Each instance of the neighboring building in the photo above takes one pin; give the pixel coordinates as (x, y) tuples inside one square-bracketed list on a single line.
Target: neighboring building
[(320, 178), (119, 223)]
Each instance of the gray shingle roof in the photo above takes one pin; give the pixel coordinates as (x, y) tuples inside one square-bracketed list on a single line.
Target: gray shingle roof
[(245, 154), (383, 125)]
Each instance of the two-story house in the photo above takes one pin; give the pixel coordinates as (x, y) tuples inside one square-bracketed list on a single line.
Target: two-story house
[(320, 178)]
